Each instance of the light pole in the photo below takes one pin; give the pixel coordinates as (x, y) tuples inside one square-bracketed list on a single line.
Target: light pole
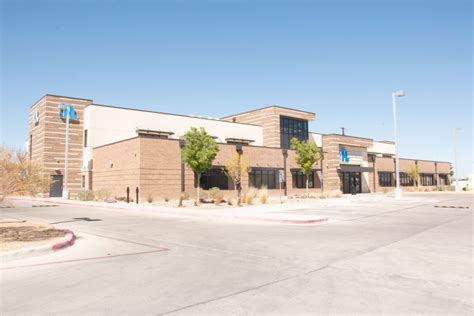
[(456, 170), (66, 108), (398, 190)]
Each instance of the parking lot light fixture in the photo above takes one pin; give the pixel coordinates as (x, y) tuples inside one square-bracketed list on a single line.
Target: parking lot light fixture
[(395, 95)]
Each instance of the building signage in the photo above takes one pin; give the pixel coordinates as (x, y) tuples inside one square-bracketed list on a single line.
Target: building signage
[(343, 154), (63, 111), (36, 117), (351, 156)]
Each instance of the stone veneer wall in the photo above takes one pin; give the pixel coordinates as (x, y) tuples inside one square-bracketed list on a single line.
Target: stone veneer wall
[(48, 139), (331, 143), (269, 119)]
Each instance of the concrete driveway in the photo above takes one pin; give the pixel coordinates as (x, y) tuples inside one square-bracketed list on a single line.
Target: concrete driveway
[(373, 257)]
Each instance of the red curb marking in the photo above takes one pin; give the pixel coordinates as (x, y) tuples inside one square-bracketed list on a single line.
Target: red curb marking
[(65, 244), (83, 259)]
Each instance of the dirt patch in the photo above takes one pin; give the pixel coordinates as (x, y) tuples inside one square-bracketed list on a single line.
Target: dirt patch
[(17, 234)]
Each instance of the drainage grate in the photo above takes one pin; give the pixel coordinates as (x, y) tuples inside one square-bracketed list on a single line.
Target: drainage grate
[(44, 205), (450, 206)]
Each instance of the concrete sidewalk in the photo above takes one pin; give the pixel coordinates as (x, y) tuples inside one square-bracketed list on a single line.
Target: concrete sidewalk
[(288, 212)]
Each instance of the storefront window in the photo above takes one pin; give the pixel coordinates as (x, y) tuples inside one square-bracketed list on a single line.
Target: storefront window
[(443, 179), (214, 178), (259, 178), (299, 179), (385, 179), (427, 179), (405, 179)]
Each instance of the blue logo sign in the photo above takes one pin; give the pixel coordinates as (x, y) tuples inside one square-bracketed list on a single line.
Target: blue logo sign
[(72, 114), (36, 117), (344, 155)]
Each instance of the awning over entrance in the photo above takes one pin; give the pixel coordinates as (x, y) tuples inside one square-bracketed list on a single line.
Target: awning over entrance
[(346, 168)]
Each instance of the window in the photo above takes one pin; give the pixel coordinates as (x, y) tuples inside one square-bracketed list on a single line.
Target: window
[(299, 179), (83, 183), (263, 177), (443, 179), (405, 180), (385, 179), (292, 128), (427, 179), (214, 178), (85, 138)]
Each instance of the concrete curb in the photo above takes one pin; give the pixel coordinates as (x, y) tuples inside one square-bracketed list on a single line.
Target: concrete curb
[(175, 213), (67, 241)]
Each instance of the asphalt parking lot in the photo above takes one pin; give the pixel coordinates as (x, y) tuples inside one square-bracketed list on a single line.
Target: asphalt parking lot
[(372, 257)]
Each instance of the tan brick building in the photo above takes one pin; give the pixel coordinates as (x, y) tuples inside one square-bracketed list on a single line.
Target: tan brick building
[(116, 149)]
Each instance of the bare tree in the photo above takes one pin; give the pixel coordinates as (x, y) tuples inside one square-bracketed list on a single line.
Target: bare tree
[(18, 174), (235, 167)]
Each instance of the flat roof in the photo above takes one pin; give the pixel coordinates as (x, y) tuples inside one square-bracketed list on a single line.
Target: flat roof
[(267, 107), (334, 134), (59, 96), (174, 114)]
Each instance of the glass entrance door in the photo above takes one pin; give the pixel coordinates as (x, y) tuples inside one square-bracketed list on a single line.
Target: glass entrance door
[(350, 182)]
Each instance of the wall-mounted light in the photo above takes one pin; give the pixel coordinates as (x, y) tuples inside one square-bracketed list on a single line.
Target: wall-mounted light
[(239, 149)]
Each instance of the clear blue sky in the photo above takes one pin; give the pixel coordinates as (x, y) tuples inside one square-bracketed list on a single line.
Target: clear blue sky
[(340, 59)]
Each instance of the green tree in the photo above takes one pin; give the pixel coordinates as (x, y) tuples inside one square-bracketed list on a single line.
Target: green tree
[(414, 173), (199, 152), (235, 167), (307, 154)]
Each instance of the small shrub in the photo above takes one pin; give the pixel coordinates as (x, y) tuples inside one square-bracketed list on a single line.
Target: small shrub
[(385, 190), (213, 192), (230, 202), (263, 195), (249, 199), (181, 198), (86, 195), (218, 197), (149, 198), (185, 195), (102, 195)]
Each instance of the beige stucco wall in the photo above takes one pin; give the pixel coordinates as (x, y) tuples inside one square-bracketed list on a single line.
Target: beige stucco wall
[(107, 125)]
